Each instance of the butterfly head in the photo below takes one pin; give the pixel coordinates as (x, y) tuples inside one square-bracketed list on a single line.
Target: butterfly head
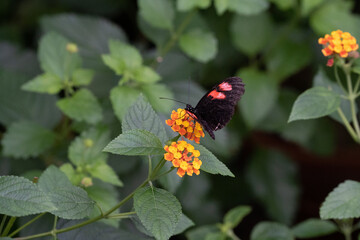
[(191, 111)]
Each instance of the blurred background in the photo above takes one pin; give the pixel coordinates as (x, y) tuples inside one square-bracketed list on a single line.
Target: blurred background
[(284, 171)]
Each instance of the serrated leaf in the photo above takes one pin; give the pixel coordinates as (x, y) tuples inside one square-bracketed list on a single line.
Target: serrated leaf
[(71, 202), (211, 164), (250, 34), (20, 197), (87, 148), (236, 215), (198, 44), (82, 77), (82, 106), (27, 139), (135, 142), (44, 83), (104, 172), (312, 228), (158, 210), (342, 202), (141, 116), (186, 5), (314, 103), (271, 231), (122, 97), (248, 7), (153, 92), (158, 13), (54, 58)]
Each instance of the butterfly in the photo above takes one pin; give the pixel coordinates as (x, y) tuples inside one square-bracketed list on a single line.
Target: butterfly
[(217, 106)]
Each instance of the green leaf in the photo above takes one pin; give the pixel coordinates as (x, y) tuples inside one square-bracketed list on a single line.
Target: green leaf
[(314, 103), (20, 197), (158, 210), (216, 236), (201, 232), (146, 75), (273, 179), (158, 13), (153, 92), (156, 35), (183, 224), (260, 96), (186, 5), (122, 97), (250, 34), (312, 228), (54, 58), (82, 77), (271, 231), (74, 177), (82, 106), (27, 139), (87, 148), (221, 6), (284, 4), (236, 215), (342, 202), (18, 105), (198, 44), (135, 142), (211, 164), (104, 172), (307, 6), (141, 116), (71, 202), (248, 7), (44, 83)]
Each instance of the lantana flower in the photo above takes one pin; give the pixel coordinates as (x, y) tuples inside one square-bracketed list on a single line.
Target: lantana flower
[(338, 43), (184, 157), (185, 125)]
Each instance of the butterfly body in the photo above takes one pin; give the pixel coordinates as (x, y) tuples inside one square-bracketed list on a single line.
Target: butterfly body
[(217, 106)]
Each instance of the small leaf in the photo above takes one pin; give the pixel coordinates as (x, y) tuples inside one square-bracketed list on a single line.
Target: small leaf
[(82, 77), (82, 106), (27, 139), (236, 215), (158, 210), (20, 197), (198, 44), (156, 35), (146, 75), (342, 202), (221, 6), (216, 236), (312, 228), (271, 231), (104, 172), (141, 116), (153, 92), (122, 97), (44, 83), (183, 224), (314, 103), (54, 58), (248, 7), (186, 5), (211, 164), (135, 142), (71, 202), (158, 13), (201, 232), (284, 4)]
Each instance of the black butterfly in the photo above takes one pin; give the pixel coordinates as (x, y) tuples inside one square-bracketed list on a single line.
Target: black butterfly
[(216, 107)]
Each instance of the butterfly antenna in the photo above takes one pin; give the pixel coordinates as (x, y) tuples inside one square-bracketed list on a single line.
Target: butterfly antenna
[(172, 100)]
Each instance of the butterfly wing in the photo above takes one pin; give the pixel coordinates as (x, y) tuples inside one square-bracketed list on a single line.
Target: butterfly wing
[(217, 106)]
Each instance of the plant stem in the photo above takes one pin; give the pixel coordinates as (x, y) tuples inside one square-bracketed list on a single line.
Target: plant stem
[(121, 215), (352, 99), (8, 226), (2, 223), (150, 166), (338, 79), (26, 224), (348, 126)]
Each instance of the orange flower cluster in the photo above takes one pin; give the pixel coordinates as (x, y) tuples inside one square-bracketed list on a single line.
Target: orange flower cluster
[(184, 157), (185, 125), (338, 43)]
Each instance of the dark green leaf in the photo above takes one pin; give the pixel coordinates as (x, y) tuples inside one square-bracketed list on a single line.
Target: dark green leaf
[(198, 44), (153, 92), (158, 210), (271, 231), (284, 4), (82, 106), (307, 6), (314, 103), (201, 232), (216, 236), (156, 35), (158, 13), (135, 142), (20, 197), (44, 83), (248, 7), (141, 116), (27, 139), (211, 164), (236, 215), (122, 97), (183, 224), (342, 202), (186, 5), (312, 228)]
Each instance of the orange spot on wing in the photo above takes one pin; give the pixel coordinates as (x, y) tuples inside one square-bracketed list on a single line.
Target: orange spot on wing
[(225, 86), (216, 95)]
